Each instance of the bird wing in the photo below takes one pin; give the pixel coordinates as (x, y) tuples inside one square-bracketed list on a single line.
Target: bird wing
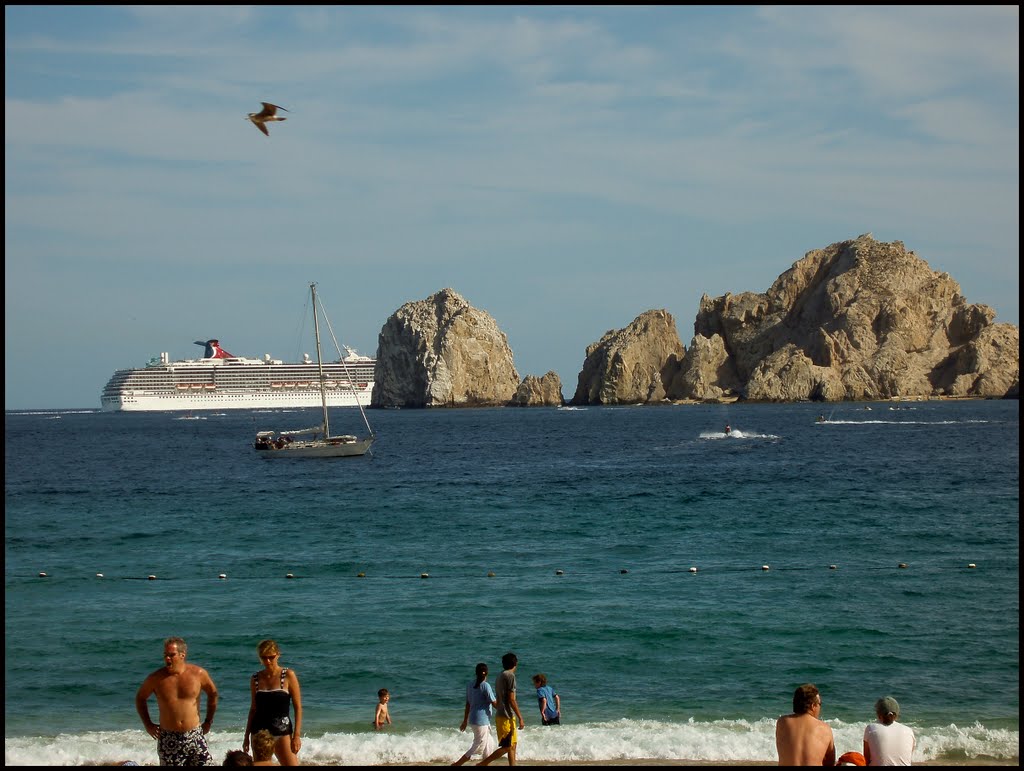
[(270, 109), (261, 126)]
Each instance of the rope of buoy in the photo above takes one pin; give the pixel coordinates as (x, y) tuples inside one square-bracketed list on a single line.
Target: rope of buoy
[(561, 572)]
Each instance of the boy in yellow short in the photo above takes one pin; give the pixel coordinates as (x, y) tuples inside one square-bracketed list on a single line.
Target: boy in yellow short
[(508, 712)]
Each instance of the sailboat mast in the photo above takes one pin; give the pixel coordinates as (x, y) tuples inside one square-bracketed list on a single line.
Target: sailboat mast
[(320, 362)]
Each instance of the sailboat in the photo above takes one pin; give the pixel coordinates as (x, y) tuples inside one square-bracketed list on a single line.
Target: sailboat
[(320, 443)]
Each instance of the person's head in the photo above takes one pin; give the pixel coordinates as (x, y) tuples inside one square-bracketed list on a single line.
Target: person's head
[(806, 698), (237, 758), (383, 694), (268, 650), (887, 709), (540, 680), (509, 660), (481, 674), (263, 745), (175, 649)]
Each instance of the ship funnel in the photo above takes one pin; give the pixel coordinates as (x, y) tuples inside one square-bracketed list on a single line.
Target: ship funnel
[(213, 350)]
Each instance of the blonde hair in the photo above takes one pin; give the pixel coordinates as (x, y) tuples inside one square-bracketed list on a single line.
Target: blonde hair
[(267, 648), (263, 745)]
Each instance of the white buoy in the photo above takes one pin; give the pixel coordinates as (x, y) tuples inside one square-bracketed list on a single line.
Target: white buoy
[(693, 570), (42, 575), (766, 567), (151, 577), (99, 575), (833, 567), (971, 565), (289, 575), (424, 575), (902, 565), (222, 576), (559, 573)]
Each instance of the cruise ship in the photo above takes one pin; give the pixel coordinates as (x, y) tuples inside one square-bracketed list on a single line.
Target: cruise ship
[(222, 381)]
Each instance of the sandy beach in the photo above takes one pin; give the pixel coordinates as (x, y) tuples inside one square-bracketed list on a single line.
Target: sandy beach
[(684, 762)]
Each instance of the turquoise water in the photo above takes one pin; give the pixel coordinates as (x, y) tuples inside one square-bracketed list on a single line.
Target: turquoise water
[(590, 520)]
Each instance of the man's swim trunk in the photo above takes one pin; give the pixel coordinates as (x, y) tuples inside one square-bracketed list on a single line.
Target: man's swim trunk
[(506, 728), (183, 748)]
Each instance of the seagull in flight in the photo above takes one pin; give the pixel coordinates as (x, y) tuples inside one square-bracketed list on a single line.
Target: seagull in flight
[(267, 114)]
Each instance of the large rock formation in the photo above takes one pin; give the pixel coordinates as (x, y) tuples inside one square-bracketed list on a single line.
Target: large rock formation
[(632, 365), (539, 391), (859, 319), (442, 352)]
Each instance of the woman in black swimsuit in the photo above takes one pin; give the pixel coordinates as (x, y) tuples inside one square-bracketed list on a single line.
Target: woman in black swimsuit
[(274, 691)]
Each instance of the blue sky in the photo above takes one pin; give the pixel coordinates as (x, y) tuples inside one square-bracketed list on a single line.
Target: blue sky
[(563, 169)]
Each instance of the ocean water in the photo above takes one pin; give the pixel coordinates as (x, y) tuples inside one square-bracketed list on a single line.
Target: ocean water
[(569, 536)]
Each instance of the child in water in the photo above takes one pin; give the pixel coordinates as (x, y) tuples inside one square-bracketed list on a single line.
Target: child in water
[(382, 716), (549, 702)]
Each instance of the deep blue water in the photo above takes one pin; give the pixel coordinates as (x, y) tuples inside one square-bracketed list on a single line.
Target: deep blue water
[(650, 659)]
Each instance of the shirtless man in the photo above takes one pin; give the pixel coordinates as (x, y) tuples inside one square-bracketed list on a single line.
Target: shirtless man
[(181, 740), (802, 739)]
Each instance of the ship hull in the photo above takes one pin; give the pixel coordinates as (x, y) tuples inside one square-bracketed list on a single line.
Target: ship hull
[(319, 449), (148, 402), (237, 383)]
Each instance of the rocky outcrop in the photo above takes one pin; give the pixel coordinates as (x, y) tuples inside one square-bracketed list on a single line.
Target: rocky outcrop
[(442, 352), (860, 319), (707, 369), (633, 365), (539, 391)]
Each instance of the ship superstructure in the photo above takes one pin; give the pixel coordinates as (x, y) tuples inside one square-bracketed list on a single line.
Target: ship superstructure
[(221, 381)]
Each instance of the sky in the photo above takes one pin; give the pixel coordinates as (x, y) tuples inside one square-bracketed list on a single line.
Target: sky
[(562, 168)]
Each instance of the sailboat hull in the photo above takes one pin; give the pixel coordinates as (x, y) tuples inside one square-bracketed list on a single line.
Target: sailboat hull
[(334, 448)]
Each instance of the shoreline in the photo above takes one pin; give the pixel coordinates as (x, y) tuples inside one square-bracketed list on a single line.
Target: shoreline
[(501, 762)]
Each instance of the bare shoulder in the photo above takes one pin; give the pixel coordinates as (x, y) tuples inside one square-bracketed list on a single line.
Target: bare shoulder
[(152, 679), (194, 670)]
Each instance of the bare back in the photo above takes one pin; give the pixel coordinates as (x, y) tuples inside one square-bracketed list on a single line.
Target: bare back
[(804, 740)]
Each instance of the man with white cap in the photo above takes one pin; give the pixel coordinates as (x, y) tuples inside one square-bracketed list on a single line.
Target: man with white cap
[(888, 743)]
